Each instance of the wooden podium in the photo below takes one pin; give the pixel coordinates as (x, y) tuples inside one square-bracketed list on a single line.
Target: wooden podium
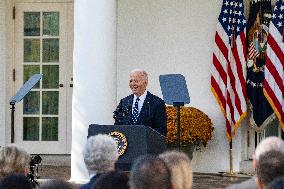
[(140, 139)]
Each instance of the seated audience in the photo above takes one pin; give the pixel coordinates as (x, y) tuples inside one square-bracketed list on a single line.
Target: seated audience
[(15, 181), (100, 155), (13, 160), (277, 183), (269, 166), (150, 172), (266, 145), (180, 167), (57, 184), (112, 180)]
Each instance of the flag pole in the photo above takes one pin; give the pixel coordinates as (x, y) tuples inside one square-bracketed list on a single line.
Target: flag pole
[(231, 158)]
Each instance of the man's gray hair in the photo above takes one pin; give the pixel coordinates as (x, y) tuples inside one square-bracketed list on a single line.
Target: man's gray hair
[(143, 72), (268, 144), (100, 153)]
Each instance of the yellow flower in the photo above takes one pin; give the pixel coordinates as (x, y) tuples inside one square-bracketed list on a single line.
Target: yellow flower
[(194, 125)]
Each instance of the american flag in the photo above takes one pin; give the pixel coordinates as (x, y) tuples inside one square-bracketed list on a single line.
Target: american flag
[(274, 74), (228, 82)]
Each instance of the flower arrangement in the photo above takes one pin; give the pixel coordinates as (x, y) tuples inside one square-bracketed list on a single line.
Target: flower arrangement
[(195, 126)]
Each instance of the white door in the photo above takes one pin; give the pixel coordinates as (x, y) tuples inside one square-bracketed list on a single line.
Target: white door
[(44, 44)]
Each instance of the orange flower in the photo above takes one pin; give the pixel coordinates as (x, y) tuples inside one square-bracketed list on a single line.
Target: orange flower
[(194, 125)]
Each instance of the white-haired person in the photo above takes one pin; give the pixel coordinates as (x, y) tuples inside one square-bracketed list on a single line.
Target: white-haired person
[(13, 160), (100, 155), (180, 167)]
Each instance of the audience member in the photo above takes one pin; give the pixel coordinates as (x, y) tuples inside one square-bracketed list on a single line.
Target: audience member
[(269, 166), (15, 181), (277, 183), (266, 145), (57, 184), (100, 155), (180, 167), (112, 180), (150, 172), (13, 160)]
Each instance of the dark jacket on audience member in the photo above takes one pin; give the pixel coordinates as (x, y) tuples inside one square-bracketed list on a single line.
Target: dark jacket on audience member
[(90, 183)]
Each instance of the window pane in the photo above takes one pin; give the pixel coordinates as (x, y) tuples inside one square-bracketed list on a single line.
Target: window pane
[(51, 23), (50, 76), (31, 128), (30, 70), (272, 129), (32, 24), (31, 50), (50, 129), (50, 102), (31, 103), (50, 50)]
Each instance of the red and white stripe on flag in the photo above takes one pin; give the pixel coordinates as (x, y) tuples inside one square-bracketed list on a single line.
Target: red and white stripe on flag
[(252, 52), (274, 74), (228, 72)]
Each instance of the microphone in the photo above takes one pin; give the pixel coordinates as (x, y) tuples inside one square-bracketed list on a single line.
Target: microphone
[(121, 112)]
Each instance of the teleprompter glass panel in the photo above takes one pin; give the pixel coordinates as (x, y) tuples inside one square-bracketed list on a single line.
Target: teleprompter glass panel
[(30, 70), (50, 51), (49, 129), (31, 50), (31, 103), (51, 23), (31, 128), (50, 102), (31, 23), (50, 78)]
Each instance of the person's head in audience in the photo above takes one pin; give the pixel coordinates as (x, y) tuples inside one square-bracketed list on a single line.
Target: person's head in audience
[(100, 154), (15, 181), (267, 144), (180, 167), (150, 172), (56, 184), (13, 160), (112, 180), (277, 183), (269, 166)]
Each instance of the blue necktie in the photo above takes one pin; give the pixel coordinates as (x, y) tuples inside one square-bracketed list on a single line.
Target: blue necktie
[(135, 111)]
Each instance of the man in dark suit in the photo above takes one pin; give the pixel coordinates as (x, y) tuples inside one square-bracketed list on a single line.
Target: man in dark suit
[(141, 107)]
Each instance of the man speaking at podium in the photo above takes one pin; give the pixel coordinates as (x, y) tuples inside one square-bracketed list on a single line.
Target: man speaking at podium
[(141, 107)]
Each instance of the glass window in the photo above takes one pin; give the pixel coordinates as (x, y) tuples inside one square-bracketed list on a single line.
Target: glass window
[(31, 103), (31, 50), (30, 70), (31, 23), (50, 129), (50, 76), (31, 128), (50, 102), (51, 23), (50, 51)]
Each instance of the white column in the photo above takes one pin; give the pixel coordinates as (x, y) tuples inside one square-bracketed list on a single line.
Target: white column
[(94, 69), (3, 79)]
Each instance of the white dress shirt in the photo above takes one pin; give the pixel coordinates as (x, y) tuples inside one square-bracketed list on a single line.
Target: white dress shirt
[(140, 102)]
